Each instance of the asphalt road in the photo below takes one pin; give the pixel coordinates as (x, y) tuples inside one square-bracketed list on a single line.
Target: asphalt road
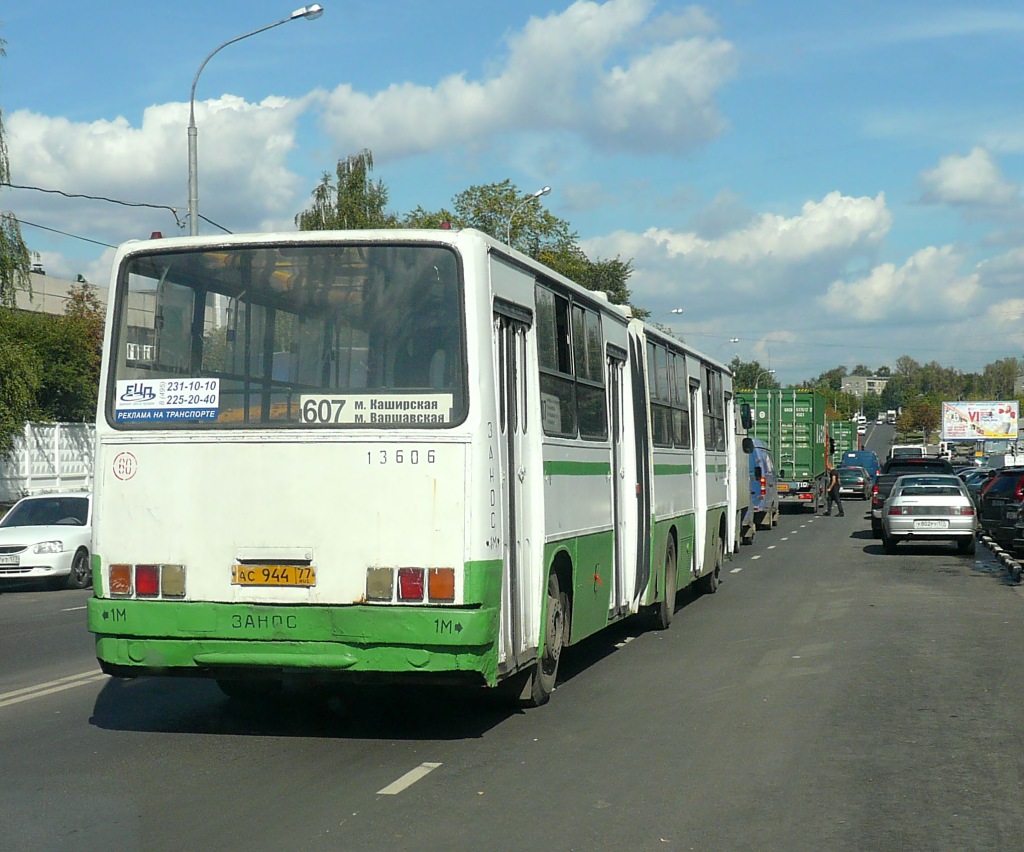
[(827, 697)]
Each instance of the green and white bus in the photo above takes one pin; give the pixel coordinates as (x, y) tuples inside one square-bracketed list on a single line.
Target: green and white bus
[(390, 456)]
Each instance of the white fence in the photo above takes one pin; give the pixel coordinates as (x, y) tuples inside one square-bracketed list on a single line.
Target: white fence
[(48, 457)]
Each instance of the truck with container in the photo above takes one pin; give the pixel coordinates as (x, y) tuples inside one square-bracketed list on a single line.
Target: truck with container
[(844, 439), (791, 422)]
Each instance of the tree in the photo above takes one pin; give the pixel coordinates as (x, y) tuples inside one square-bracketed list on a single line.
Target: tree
[(748, 374), (14, 256), (62, 356), (353, 202), (20, 378)]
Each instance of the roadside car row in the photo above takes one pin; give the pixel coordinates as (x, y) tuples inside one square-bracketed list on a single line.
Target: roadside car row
[(47, 538)]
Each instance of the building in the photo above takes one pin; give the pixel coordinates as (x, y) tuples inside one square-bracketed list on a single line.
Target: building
[(861, 386), (49, 294)]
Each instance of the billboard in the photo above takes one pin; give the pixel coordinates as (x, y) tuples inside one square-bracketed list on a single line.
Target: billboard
[(976, 421)]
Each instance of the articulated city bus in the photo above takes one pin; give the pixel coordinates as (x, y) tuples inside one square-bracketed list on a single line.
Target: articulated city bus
[(390, 456)]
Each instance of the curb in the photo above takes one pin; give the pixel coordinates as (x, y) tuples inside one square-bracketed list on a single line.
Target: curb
[(1008, 560)]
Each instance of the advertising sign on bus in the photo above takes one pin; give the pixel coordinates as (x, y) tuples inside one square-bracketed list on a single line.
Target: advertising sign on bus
[(964, 421)]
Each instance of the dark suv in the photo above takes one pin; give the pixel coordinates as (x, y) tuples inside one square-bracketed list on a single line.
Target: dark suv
[(1000, 504)]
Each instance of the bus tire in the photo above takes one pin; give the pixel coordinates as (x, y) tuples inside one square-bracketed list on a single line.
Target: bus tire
[(709, 583), (666, 608), (81, 574), (545, 671)]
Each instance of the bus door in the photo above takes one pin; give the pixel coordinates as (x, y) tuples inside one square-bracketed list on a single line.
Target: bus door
[(700, 478), (616, 367), (510, 342), (643, 485)]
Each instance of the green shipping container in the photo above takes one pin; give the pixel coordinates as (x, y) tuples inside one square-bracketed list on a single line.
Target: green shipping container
[(791, 422), (844, 434)]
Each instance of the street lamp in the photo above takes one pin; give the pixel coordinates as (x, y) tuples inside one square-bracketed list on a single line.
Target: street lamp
[(310, 13), (544, 190), (762, 373)]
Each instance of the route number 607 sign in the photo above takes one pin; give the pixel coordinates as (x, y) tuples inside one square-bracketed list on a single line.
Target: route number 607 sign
[(375, 409)]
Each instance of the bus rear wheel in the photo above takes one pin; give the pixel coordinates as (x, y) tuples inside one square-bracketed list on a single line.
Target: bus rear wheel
[(709, 582), (545, 672), (666, 608)]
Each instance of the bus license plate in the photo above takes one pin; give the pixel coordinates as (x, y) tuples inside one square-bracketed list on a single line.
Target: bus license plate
[(273, 575), (10, 559), (930, 525)]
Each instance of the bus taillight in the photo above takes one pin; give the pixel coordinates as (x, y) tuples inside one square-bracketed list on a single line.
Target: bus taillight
[(147, 581), (410, 584), (120, 580), (441, 584)]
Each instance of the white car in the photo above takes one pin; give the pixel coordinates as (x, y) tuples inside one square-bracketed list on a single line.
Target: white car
[(48, 537)]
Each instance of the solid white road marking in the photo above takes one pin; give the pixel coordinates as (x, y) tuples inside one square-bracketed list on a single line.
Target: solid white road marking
[(50, 687), (73, 608), (407, 780)]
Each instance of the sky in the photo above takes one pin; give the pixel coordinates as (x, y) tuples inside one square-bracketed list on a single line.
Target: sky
[(812, 184)]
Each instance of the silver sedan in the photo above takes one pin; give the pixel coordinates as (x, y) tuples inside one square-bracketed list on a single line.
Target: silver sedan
[(929, 508)]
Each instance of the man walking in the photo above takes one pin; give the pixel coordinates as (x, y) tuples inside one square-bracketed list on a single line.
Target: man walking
[(832, 491)]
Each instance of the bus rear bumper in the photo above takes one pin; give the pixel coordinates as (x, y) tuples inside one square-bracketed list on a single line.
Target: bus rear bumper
[(135, 638)]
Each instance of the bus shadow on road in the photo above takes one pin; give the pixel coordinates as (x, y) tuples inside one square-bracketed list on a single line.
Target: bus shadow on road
[(400, 712), (197, 706)]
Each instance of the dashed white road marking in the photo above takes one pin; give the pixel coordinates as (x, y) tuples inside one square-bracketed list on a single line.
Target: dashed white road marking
[(735, 570), (50, 687), (756, 557), (407, 780), (772, 546)]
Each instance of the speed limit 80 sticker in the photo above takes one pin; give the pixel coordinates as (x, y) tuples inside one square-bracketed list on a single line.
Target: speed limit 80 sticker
[(375, 409)]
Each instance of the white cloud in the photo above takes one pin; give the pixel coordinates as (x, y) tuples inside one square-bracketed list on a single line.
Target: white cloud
[(242, 154), (929, 285), (973, 180), (836, 223), (596, 70)]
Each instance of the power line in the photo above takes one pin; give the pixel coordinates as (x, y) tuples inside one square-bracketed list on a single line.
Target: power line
[(173, 210), (63, 233)]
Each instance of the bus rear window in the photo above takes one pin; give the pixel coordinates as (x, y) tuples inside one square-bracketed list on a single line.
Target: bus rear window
[(289, 335)]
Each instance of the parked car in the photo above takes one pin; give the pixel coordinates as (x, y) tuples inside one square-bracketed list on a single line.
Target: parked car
[(764, 488), (929, 508), (48, 537), (975, 479), (855, 482), (999, 503)]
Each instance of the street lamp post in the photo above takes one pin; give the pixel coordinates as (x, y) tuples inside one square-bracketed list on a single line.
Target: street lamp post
[(757, 381), (544, 190), (762, 373), (310, 13)]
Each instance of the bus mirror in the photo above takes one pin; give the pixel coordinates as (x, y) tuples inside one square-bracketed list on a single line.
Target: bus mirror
[(748, 445), (746, 418)]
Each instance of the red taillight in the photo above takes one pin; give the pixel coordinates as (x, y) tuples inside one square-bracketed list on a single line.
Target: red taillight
[(147, 581), (1018, 493), (764, 486), (897, 510), (410, 584)]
